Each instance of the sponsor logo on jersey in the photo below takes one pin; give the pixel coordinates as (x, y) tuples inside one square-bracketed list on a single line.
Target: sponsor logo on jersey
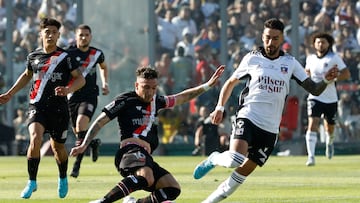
[(271, 85)]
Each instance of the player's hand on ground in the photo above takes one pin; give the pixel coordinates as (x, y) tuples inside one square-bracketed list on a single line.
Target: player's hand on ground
[(214, 78)]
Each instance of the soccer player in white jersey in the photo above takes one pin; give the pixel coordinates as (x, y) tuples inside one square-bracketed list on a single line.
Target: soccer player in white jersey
[(268, 71), (324, 104)]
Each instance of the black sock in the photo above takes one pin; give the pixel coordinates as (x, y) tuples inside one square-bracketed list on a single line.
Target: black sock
[(78, 160), (125, 187), (63, 168), (33, 167), (160, 195), (80, 138)]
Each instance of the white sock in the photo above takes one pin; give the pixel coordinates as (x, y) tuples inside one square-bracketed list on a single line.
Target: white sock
[(228, 159), (311, 139), (329, 138), (226, 188)]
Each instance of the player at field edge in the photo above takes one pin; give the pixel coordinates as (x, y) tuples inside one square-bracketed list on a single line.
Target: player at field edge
[(324, 104), (267, 71), (83, 102), (50, 68)]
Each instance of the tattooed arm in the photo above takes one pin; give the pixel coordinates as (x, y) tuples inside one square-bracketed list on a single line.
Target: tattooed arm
[(95, 127), (313, 87), (317, 88), (191, 93)]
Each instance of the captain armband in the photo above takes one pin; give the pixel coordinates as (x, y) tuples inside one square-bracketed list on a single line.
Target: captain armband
[(171, 101)]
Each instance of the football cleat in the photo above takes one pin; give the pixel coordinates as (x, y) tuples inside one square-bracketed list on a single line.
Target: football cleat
[(62, 187), (204, 167), (75, 172), (31, 187), (311, 161)]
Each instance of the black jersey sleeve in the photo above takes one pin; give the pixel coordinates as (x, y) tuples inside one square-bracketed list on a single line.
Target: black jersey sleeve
[(114, 108)]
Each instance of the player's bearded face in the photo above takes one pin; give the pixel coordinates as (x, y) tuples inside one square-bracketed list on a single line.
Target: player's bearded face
[(146, 88), (272, 39), (321, 45)]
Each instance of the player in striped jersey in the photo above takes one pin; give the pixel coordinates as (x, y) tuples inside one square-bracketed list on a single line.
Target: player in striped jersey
[(83, 102), (136, 113), (50, 69)]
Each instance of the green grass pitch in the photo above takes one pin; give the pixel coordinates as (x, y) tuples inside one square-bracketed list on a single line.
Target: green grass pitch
[(282, 179)]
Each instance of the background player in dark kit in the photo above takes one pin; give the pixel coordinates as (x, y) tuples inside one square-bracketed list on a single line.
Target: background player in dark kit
[(83, 102)]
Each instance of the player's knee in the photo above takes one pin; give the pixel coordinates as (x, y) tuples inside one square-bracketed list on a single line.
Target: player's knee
[(234, 159), (169, 193)]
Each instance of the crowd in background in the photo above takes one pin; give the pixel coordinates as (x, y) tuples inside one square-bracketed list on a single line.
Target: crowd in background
[(188, 47)]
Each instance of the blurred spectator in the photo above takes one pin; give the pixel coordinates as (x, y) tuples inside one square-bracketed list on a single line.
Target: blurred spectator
[(210, 9), (344, 109), (286, 47), (249, 38), (352, 123), (187, 44), (168, 33), (209, 37), (169, 123), (162, 66), (181, 69), (196, 13), (21, 132), (351, 61), (183, 20)]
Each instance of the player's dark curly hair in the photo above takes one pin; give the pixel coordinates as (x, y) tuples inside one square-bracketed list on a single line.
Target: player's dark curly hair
[(44, 22), (146, 72), (329, 38), (274, 23)]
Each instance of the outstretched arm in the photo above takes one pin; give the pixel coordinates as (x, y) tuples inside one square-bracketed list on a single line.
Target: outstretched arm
[(95, 127), (191, 93)]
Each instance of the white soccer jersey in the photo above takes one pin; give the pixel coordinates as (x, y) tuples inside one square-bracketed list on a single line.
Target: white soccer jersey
[(262, 100), (318, 67)]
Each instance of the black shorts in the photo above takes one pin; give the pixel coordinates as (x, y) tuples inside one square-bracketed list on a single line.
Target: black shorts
[(317, 109), (261, 143), (86, 108), (55, 123), (132, 157)]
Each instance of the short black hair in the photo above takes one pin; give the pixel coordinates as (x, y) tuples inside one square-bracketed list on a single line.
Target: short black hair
[(329, 38), (146, 72), (83, 26), (274, 23), (44, 22)]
